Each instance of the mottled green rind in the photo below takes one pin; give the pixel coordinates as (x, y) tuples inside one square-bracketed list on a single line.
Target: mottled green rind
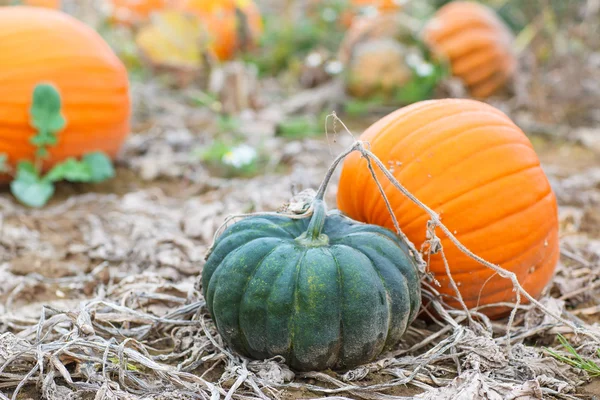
[(331, 306)]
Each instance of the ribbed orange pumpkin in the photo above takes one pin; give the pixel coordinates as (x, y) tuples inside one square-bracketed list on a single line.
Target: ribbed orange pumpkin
[(41, 45), (475, 42), (471, 164), (232, 25)]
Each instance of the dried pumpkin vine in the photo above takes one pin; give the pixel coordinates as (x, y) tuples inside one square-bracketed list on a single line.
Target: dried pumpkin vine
[(30, 186)]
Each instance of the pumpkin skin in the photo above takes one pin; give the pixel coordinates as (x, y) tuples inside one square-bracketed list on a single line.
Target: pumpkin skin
[(333, 300), (477, 44), (91, 79), (473, 166), (232, 25)]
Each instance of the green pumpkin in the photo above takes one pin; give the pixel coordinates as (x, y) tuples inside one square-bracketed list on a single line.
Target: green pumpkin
[(323, 292)]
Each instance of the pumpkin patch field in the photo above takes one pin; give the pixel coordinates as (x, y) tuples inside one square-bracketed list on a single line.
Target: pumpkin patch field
[(289, 199)]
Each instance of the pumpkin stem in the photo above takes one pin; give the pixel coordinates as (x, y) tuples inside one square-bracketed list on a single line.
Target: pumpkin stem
[(313, 236)]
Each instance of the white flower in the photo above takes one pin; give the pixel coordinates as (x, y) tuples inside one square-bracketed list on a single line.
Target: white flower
[(334, 67), (240, 156), (424, 69), (413, 60), (314, 60)]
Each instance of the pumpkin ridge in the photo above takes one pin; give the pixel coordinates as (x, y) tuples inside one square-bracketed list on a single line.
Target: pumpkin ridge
[(374, 134), (458, 114), (411, 134), (528, 208), (466, 43), (238, 249), (243, 341), (295, 308), (447, 201), (359, 234), (405, 321), (386, 289), (456, 26), (387, 295), (508, 287), (481, 73), (552, 234), (266, 301), (542, 232), (486, 88), (387, 183), (290, 327), (464, 235), (341, 289), (474, 61), (463, 33), (231, 236)]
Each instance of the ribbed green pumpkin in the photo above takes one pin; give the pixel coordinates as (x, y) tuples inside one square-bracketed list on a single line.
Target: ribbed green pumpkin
[(323, 292)]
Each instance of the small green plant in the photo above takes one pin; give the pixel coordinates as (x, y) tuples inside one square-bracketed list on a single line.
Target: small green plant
[(300, 127), (574, 359), (227, 123), (427, 74), (286, 41), (30, 186), (228, 159), (356, 107)]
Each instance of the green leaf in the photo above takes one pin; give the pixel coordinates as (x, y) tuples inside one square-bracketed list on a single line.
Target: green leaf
[(29, 188), (213, 153), (70, 170), (99, 165), (45, 114)]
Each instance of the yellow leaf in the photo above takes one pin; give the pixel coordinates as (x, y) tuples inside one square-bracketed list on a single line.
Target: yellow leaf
[(173, 39)]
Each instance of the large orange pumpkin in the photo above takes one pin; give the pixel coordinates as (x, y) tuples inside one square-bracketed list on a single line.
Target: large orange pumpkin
[(477, 44), (232, 25), (473, 166), (41, 45)]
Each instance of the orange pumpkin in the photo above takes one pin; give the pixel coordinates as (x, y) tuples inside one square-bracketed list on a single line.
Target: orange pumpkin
[(476, 43), (132, 12), (473, 166), (232, 25), (41, 45)]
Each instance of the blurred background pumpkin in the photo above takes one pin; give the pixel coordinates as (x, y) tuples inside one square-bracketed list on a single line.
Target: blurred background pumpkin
[(477, 44), (39, 45), (232, 25)]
